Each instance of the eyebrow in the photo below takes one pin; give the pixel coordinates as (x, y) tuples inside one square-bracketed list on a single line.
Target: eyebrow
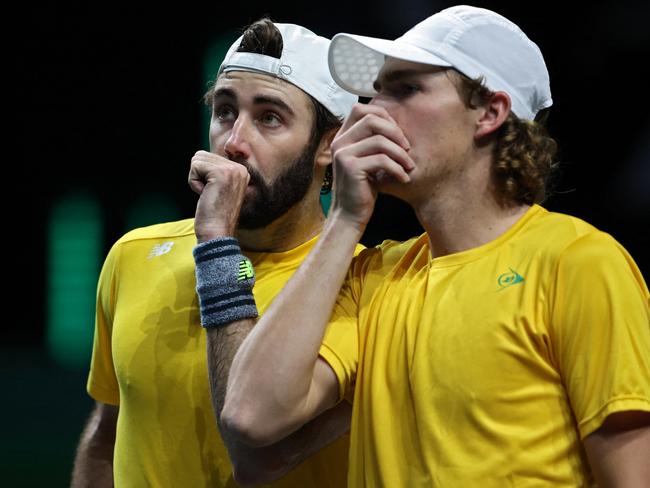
[(257, 99), (224, 92), (269, 100)]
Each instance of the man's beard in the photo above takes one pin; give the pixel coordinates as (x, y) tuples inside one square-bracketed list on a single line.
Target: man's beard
[(272, 201)]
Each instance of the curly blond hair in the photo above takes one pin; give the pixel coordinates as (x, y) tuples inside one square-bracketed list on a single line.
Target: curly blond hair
[(524, 153)]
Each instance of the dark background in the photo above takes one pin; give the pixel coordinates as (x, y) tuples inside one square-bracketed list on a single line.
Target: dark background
[(109, 102)]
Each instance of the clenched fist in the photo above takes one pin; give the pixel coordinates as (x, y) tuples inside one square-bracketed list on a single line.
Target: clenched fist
[(221, 185)]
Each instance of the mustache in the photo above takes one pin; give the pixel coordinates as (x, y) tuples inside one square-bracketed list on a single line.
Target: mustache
[(255, 177)]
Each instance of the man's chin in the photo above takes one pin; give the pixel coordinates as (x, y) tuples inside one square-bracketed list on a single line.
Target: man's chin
[(250, 222), (252, 216), (257, 216), (251, 197)]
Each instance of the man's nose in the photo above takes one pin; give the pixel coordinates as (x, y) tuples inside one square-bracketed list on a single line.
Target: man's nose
[(237, 145), (380, 100)]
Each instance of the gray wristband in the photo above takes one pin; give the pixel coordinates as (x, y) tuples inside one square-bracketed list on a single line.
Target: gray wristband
[(224, 282)]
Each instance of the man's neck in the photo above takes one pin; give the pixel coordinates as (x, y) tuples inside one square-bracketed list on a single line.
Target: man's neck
[(301, 223), (466, 214)]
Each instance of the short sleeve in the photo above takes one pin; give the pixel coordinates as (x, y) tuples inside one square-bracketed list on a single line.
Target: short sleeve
[(601, 330), (102, 382), (340, 348)]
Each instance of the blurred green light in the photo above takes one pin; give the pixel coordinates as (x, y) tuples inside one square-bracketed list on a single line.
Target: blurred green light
[(74, 250), (151, 208)]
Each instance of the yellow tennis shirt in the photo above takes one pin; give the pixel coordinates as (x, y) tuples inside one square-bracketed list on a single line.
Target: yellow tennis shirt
[(487, 367), (149, 357)]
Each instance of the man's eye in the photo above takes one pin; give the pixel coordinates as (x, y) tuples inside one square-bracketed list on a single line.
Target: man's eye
[(224, 113), (407, 89), (398, 89), (271, 119)]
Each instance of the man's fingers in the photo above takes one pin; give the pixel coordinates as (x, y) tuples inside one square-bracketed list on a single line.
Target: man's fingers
[(372, 166), (198, 176), (360, 110), (380, 144), (369, 126), (376, 145), (204, 172), (211, 158), (196, 185), (378, 166)]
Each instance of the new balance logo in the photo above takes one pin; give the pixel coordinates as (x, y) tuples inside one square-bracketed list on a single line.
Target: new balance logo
[(160, 249), (509, 279), (246, 271)]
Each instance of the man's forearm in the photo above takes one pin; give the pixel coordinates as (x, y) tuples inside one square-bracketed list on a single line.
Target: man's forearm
[(270, 391), (93, 467), (223, 343), (250, 466), (93, 464), (267, 464)]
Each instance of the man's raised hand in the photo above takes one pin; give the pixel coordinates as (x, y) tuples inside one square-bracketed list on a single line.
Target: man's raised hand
[(221, 185)]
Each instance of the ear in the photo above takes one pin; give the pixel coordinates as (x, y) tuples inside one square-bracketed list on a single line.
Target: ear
[(323, 156), (493, 114)]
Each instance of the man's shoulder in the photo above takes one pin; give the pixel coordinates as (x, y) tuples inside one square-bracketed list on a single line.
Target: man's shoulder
[(560, 238), (549, 232), (140, 246), (391, 252), (179, 229), (562, 223), (393, 247)]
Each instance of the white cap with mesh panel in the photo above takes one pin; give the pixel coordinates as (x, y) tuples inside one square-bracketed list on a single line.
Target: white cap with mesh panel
[(303, 63), (475, 41)]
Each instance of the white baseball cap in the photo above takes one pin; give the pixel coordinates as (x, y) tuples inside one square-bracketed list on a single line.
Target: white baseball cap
[(475, 41), (303, 63)]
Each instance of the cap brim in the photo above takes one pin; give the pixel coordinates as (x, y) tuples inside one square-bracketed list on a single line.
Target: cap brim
[(355, 61)]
